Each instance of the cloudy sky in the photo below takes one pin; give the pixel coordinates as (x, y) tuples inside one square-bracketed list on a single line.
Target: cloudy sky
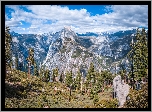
[(38, 19)]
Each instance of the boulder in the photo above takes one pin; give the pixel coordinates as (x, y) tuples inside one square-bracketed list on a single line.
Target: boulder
[(120, 89)]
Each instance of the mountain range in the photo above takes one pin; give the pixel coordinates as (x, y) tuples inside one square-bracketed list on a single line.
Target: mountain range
[(68, 50)]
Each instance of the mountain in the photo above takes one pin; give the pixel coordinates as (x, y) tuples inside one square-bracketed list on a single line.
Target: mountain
[(68, 50), (22, 43), (72, 52)]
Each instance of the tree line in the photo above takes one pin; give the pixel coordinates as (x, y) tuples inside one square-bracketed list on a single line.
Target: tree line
[(138, 56)]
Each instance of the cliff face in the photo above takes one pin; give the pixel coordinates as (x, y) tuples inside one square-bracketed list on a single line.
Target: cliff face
[(70, 51)]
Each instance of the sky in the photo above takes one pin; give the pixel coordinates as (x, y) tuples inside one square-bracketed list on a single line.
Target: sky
[(39, 19)]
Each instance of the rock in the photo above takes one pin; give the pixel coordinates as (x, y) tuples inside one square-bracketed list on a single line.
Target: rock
[(121, 90), (116, 82)]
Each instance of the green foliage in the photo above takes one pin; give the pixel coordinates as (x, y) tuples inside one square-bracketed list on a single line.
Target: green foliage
[(46, 76), (36, 72), (107, 76), (61, 77), (78, 79), (30, 59), (96, 98), (8, 48), (31, 56), (23, 92), (91, 76), (38, 92), (93, 92), (68, 79), (41, 72), (55, 74), (107, 104), (138, 99), (100, 80), (139, 55)]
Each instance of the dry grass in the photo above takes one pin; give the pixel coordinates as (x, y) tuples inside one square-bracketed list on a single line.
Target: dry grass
[(33, 93)]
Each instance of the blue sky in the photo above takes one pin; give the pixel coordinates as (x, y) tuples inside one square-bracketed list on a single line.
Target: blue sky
[(38, 19)]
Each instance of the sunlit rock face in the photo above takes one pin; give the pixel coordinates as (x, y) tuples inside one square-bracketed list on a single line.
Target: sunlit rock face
[(68, 50), (121, 90)]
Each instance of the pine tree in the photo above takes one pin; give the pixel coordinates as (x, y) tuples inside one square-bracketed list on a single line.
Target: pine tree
[(61, 77), (78, 80), (46, 77), (122, 73), (109, 78), (96, 98), (139, 55), (99, 82), (55, 73), (105, 77), (41, 73), (30, 59), (8, 48), (36, 73), (68, 80), (91, 76)]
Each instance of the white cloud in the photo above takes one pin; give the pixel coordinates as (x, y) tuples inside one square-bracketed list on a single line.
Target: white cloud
[(123, 17)]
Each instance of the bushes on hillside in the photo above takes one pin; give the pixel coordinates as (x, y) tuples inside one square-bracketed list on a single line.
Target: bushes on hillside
[(107, 104), (138, 99)]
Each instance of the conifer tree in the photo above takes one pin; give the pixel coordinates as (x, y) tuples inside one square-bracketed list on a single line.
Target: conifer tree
[(91, 75), (109, 78), (139, 55), (46, 77), (122, 73), (105, 76), (55, 73), (78, 80), (96, 98), (36, 69), (68, 79), (8, 48), (30, 59), (41, 73), (61, 77), (99, 82)]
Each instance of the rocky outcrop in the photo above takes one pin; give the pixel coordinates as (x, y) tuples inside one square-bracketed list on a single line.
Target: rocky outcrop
[(121, 90)]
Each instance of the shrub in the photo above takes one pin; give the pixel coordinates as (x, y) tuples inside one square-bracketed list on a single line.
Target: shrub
[(107, 104), (95, 99), (138, 99)]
